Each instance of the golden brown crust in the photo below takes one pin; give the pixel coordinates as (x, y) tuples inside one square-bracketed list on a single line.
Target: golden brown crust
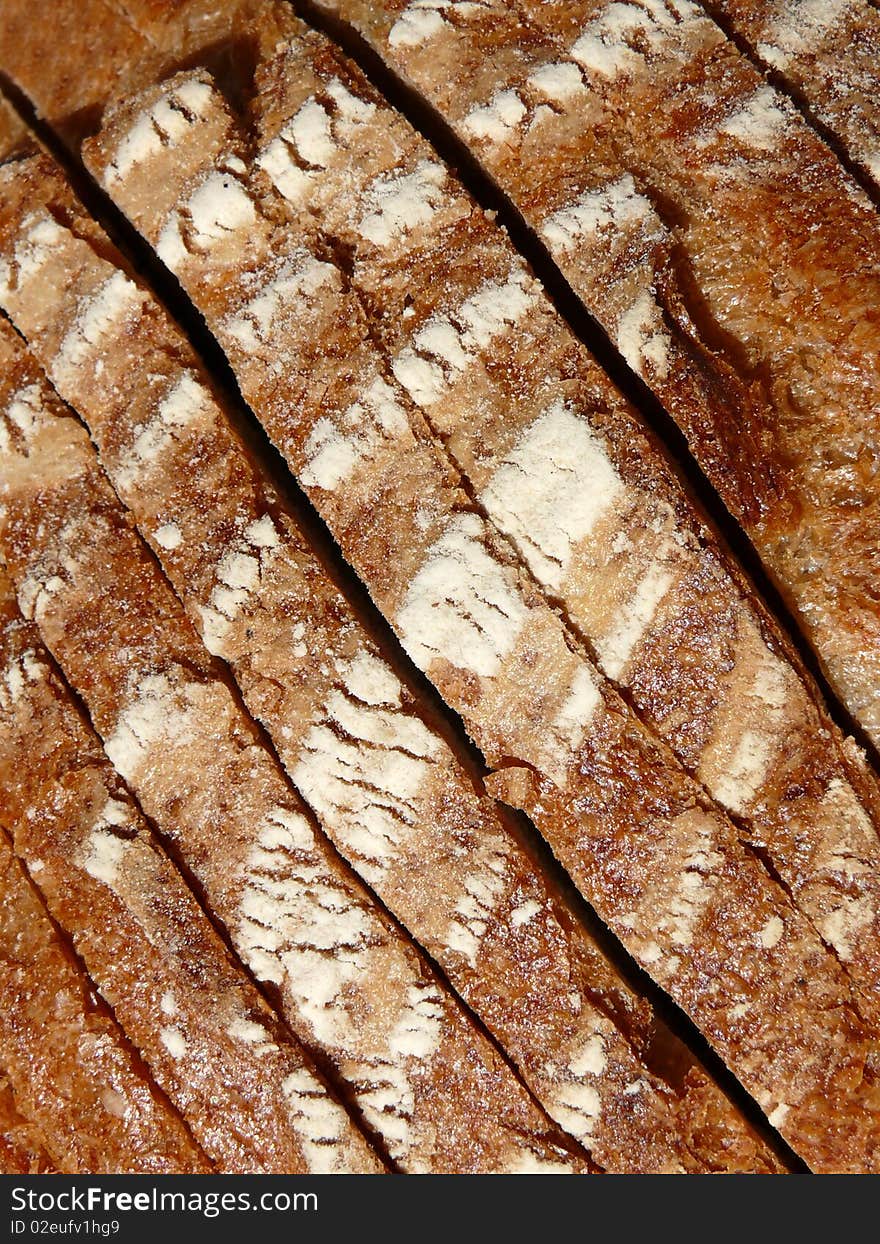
[(566, 747), (828, 54), (22, 1151), (349, 983), (15, 137), (72, 94), (388, 791), (721, 228)]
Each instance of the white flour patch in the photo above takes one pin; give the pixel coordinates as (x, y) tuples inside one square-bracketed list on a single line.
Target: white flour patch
[(160, 713), (335, 449), (364, 765), (561, 81), (800, 28), (219, 207), (475, 910), (99, 317), (497, 121), (238, 575), (418, 1032), (297, 280), (41, 238), (26, 411), (398, 203), (174, 1041), (461, 605), (551, 490), (447, 345), (612, 43), (842, 926), (758, 743), (291, 181), (309, 131), (642, 338), (186, 403), (253, 1035), (168, 537), (618, 645), (761, 122), (696, 885), (320, 1123), (610, 208), (415, 26), (771, 933), (104, 855), (164, 126), (300, 928)]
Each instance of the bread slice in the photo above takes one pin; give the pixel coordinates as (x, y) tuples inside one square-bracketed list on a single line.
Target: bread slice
[(73, 1075), (213, 1045), (717, 241), (424, 1078), (826, 52), (387, 787), (664, 869)]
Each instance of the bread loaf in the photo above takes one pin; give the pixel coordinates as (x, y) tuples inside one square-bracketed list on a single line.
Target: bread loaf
[(529, 545), (568, 751)]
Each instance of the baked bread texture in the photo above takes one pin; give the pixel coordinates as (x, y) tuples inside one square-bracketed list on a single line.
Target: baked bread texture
[(349, 983), (457, 596), (21, 1146), (827, 54), (561, 468), (241, 1085), (386, 786), (718, 242), (73, 1085), (432, 996)]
